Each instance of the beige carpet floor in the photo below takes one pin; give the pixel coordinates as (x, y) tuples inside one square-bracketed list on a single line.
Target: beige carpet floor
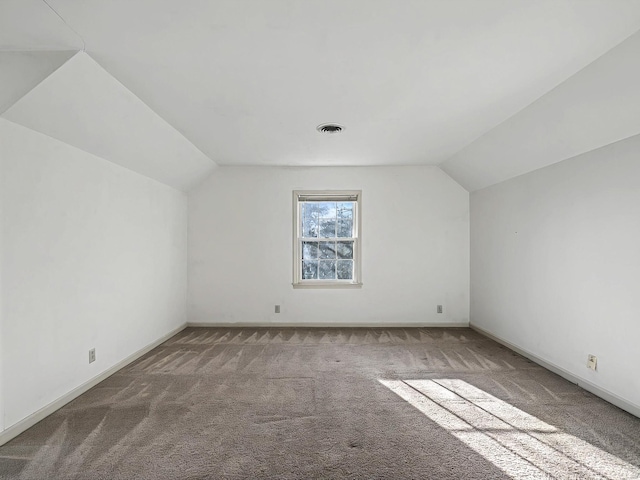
[(330, 403)]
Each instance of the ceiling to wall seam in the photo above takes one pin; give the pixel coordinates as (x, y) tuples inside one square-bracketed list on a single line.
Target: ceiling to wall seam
[(84, 45)]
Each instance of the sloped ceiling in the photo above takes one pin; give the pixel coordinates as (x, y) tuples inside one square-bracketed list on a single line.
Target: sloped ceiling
[(474, 86), (84, 106), (597, 106), (32, 25), (34, 42), (21, 71)]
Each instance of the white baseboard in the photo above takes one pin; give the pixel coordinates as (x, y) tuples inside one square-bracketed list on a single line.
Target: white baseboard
[(28, 422), (610, 397), (328, 325)]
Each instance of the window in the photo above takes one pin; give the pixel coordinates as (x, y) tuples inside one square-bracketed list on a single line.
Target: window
[(326, 243)]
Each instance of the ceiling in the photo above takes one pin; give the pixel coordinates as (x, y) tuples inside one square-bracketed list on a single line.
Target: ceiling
[(245, 82)]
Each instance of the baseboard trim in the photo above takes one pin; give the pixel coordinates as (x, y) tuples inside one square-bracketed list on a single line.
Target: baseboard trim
[(328, 325), (28, 422), (610, 397)]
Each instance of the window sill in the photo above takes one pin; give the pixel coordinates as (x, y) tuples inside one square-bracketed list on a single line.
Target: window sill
[(327, 285)]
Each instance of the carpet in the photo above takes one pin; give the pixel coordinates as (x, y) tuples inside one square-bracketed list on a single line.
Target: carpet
[(311, 403)]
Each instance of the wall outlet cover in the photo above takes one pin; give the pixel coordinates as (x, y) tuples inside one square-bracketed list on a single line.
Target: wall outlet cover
[(592, 362)]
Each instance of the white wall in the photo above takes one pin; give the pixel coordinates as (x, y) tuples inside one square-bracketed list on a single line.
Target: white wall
[(415, 248), (555, 265), (1, 295), (93, 255)]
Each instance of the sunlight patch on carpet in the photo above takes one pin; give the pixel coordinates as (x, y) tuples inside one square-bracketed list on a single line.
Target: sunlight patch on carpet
[(518, 443)]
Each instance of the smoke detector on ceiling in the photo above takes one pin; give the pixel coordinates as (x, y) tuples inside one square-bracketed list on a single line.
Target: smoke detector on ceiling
[(330, 128)]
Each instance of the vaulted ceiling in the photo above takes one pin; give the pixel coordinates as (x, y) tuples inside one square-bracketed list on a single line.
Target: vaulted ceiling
[(487, 89)]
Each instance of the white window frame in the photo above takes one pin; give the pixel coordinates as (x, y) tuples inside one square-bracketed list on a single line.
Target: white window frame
[(298, 281)]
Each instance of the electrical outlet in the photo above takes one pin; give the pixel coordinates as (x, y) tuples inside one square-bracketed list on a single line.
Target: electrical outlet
[(592, 362), (92, 355), (439, 309), (277, 308)]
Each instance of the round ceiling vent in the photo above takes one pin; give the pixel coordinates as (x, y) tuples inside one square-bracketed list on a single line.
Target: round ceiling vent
[(330, 128)]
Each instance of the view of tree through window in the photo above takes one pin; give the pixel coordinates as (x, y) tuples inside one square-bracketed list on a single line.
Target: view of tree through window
[(327, 233)]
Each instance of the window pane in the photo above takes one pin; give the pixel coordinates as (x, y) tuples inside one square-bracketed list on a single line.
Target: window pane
[(325, 236), (328, 227), (345, 249), (327, 269), (309, 220), (310, 250), (310, 269), (345, 210), (326, 209), (327, 250), (345, 228), (345, 269)]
